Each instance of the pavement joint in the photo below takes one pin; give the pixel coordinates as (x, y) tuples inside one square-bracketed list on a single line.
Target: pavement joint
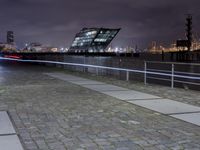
[(193, 112), (143, 99)]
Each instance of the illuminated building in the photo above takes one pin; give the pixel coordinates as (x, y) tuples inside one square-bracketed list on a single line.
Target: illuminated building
[(8, 46), (4, 47), (158, 48), (10, 37), (38, 47), (93, 39)]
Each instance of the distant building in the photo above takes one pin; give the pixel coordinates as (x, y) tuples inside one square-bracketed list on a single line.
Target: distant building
[(93, 39), (34, 47), (4, 47), (10, 37), (9, 45), (38, 47), (159, 48)]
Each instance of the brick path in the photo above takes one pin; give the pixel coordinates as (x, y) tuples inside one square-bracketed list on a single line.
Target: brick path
[(50, 114)]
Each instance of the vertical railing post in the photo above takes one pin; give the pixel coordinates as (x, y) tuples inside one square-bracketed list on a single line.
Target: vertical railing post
[(127, 75), (172, 78), (145, 73), (84, 70), (97, 71)]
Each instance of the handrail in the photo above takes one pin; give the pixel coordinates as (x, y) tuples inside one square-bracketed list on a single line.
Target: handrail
[(74, 64), (175, 63), (176, 72), (145, 71)]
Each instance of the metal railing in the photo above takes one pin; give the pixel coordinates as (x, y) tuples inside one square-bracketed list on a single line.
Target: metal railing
[(172, 74), (175, 75)]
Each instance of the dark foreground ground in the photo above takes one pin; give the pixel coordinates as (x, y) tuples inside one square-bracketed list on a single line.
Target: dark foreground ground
[(50, 114)]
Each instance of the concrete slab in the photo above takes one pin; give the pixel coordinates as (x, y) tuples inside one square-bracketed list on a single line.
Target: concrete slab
[(193, 118), (130, 95), (166, 106), (56, 74), (10, 142), (104, 87), (6, 126), (65, 77), (88, 82)]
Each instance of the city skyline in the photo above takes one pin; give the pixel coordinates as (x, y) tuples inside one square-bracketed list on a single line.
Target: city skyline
[(56, 22)]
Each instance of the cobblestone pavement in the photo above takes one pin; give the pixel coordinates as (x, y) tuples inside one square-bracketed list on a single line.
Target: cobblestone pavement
[(178, 94), (51, 114)]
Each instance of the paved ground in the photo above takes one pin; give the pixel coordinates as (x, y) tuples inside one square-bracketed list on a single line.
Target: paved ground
[(50, 114), (178, 94), (186, 112)]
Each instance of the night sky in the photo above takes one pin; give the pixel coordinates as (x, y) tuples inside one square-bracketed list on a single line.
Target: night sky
[(55, 22)]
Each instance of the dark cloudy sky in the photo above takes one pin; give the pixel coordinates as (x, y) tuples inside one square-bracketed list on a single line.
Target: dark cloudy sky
[(55, 22)]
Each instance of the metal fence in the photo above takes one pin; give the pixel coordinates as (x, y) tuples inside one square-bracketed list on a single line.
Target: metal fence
[(174, 72), (170, 73)]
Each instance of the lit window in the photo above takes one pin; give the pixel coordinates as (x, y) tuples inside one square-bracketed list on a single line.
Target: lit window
[(91, 33), (100, 40)]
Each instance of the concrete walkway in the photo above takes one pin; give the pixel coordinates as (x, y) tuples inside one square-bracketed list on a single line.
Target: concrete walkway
[(8, 137), (185, 112)]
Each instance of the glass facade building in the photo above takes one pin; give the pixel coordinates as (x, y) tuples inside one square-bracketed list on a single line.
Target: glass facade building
[(93, 39)]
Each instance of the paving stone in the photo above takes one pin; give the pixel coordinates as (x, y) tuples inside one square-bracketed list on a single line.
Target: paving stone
[(10, 142), (129, 95), (30, 145), (87, 82), (65, 77), (107, 148), (104, 87), (193, 118), (166, 106), (6, 126), (41, 144)]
